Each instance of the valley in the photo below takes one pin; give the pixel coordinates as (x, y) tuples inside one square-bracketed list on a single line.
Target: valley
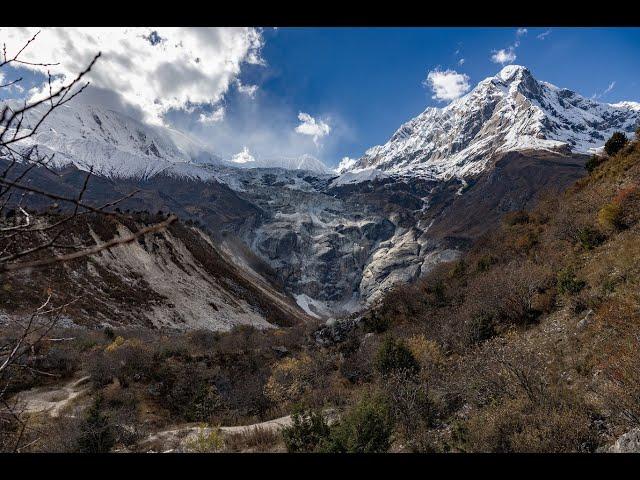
[(470, 285)]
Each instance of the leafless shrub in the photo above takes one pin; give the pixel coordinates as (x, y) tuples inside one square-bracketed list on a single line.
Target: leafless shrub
[(27, 241)]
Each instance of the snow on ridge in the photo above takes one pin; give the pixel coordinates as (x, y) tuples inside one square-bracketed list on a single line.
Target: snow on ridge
[(113, 144), (510, 111), (118, 146)]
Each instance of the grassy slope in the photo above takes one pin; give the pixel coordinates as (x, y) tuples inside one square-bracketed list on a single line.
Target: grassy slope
[(535, 330)]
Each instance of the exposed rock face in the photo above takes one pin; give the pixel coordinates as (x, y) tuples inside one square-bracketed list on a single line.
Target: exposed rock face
[(178, 278), (322, 240), (627, 443)]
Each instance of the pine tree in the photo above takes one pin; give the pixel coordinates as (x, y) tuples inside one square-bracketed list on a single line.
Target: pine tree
[(616, 143), (96, 431)]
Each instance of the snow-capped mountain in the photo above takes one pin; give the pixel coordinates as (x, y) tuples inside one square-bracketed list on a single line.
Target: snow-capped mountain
[(118, 146), (511, 111), (114, 144)]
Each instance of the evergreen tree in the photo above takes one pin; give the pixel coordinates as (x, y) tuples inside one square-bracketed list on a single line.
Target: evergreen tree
[(616, 143), (96, 432)]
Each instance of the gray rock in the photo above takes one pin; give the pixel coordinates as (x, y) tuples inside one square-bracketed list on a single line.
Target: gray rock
[(588, 318), (627, 443)]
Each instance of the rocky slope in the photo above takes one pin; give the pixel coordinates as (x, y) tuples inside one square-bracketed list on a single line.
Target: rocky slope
[(180, 278)]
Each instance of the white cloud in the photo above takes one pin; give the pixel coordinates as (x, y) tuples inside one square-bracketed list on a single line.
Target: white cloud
[(461, 61), (606, 90), (152, 69), (543, 35), (243, 156), (312, 127), (215, 116), (504, 55), (609, 88), (249, 90), (345, 164), (447, 85), (521, 32)]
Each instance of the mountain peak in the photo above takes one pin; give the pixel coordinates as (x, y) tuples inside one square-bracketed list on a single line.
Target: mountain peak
[(511, 111), (513, 72)]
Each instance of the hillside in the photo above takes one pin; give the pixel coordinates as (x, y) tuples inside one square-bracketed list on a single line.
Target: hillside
[(178, 279), (527, 343)]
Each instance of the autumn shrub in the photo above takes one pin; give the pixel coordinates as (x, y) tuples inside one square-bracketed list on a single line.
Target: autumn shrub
[(516, 218), (628, 199), (290, 379), (427, 352), (511, 294), (610, 216), (255, 439), (519, 425)]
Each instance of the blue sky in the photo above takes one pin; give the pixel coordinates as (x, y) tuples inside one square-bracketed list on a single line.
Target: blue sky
[(329, 92), (371, 79)]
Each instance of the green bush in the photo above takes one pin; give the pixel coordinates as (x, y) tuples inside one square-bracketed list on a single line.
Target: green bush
[(308, 430), (484, 263), (568, 283), (589, 238), (393, 356), (367, 428), (616, 143), (377, 322), (211, 441), (189, 393)]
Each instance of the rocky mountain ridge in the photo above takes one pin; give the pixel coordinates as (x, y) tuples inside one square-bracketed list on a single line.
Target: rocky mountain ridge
[(511, 111)]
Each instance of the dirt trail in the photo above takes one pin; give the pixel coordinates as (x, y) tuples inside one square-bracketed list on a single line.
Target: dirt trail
[(51, 399), (175, 439)]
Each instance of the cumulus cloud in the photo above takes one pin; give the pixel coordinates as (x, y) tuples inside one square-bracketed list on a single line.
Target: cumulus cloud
[(447, 85), (244, 156), (521, 32), (461, 61), (216, 115), (152, 69), (312, 127), (504, 55)]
